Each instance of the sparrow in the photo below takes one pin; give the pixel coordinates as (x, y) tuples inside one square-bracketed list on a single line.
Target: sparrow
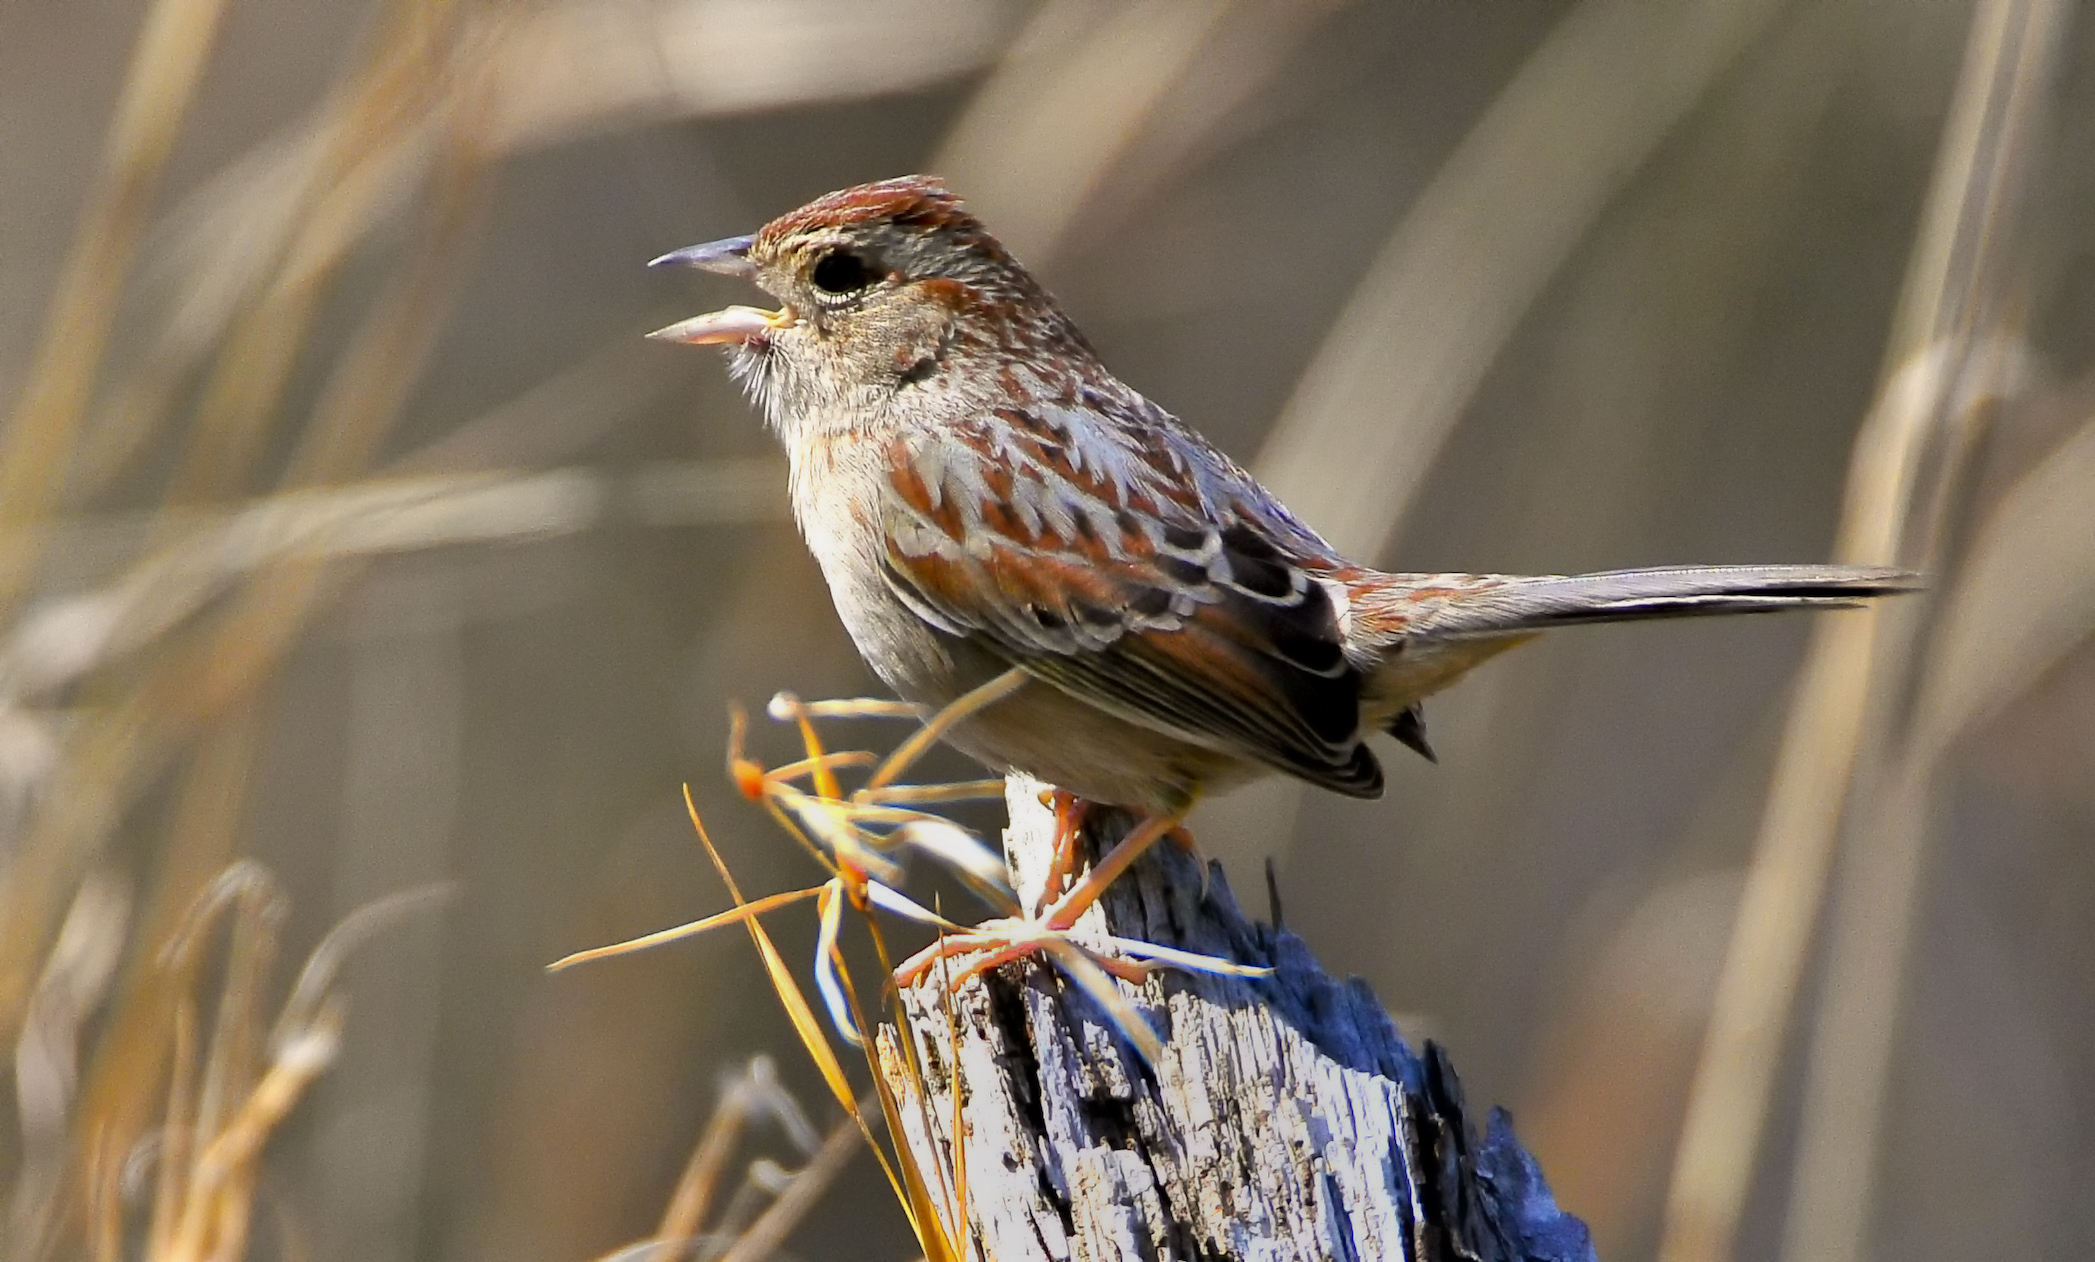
[(1120, 609)]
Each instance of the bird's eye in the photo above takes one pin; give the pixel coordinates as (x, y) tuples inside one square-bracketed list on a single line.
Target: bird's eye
[(841, 272)]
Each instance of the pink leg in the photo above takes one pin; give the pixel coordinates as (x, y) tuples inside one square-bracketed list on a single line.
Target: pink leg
[(1065, 911), (1071, 812)]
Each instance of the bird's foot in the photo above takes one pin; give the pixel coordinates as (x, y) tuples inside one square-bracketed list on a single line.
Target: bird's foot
[(1049, 932), (1091, 963)]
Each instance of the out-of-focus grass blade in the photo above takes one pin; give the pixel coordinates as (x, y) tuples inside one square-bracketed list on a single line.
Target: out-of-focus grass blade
[(75, 977), (2025, 599), (1049, 124), (1909, 458), (1438, 302), (581, 67), (1786, 879), (790, 997), (209, 1156), (36, 440), (178, 1136), (1095, 106), (300, 1059), (109, 755), (686, 1211), (123, 1095), (256, 912), (1366, 420), (60, 641), (82, 962), (752, 1092), (768, 1232), (558, 72), (413, 84)]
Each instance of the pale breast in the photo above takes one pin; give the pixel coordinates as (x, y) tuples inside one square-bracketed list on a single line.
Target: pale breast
[(836, 489)]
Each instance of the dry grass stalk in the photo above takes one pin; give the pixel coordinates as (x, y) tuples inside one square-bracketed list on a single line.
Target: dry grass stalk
[(251, 254), (229, 1091), (839, 832), (1437, 304), (903, 1176), (46, 1070), (1392, 377), (1945, 372), (111, 753), (229, 1083), (855, 836), (690, 1226), (1034, 146), (416, 123), (36, 442)]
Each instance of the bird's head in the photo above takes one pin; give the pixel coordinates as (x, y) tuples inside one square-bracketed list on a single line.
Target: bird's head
[(882, 288)]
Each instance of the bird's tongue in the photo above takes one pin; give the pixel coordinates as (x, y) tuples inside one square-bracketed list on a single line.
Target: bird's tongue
[(733, 325)]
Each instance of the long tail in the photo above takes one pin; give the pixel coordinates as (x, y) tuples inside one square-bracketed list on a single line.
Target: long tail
[(1425, 631), (1497, 605)]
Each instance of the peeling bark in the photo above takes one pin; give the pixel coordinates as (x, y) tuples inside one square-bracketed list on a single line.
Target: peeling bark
[(1286, 1119)]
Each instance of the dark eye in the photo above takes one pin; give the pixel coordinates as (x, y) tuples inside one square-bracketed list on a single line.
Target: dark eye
[(841, 272)]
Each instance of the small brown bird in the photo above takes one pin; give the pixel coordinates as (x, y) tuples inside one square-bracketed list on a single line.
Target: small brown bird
[(1128, 613)]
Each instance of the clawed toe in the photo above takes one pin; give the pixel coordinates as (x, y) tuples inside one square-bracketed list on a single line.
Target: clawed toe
[(1092, 965)]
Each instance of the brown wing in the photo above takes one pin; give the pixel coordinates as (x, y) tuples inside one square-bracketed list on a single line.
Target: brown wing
[(1122, 566)]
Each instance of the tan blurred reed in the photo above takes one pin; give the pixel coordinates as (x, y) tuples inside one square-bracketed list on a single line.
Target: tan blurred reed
[(1085, 113), (1949, 362), (168, 657)]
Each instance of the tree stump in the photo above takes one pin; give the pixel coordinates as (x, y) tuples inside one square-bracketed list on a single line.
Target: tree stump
[(1285, 1120)]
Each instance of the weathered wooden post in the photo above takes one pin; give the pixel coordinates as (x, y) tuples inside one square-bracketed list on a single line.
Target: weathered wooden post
[(1285, 1120)]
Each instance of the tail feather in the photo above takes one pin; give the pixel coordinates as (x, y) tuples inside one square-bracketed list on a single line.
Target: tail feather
[(1504, 605)]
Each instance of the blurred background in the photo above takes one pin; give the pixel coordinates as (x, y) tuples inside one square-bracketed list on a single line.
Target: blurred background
[(348, 527)]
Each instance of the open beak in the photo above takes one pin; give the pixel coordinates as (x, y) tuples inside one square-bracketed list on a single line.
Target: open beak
[(730, 325), (733, 325), (728, 256)]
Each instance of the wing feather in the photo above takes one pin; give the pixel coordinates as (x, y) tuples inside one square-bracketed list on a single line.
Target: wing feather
[(1121, 582)]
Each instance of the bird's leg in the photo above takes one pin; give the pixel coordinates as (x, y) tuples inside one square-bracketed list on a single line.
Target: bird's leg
[(1071, 812), (1065, 910), (967, 704)]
